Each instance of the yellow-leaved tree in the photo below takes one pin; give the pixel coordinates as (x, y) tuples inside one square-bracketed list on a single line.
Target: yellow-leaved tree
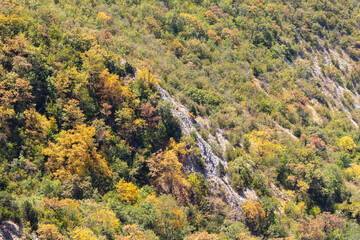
[(36, 126), (353, 172), (105, 17), (146, 76), (81, 233), (75, 153), (255, 216), (71, 84), (99, 218), (202, 236), (263, 143), (347, 144), (49, 232), (132, 232), (127, 191)]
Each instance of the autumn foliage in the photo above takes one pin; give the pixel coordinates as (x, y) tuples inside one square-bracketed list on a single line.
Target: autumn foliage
[(322, 227), (255, 216), (166, 170), (75, 153), (127, 191), (104, 105)]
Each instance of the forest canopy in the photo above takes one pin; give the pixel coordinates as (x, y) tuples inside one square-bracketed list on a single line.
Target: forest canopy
[(91, 146)]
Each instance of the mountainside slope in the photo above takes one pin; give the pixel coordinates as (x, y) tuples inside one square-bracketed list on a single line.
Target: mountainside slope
[(184, 119)]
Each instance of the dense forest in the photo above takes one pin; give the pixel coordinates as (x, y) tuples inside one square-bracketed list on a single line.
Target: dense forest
[(180, 119)]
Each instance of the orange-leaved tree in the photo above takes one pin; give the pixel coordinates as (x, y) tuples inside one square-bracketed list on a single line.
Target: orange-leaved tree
[(165, 169), (112, 92)]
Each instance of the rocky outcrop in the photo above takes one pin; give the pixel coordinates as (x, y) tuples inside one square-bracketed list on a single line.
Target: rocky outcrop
[(331, 88), (214, 165), (10, 231)]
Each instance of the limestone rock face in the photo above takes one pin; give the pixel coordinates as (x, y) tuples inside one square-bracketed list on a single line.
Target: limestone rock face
[(11, 231), (213, 162)]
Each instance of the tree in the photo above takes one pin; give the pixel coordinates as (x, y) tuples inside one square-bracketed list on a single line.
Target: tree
[(165, 216), (75, 153), (263, 143), (100, 219), (177, 47), (77, 187), (353, 172), (7, 111), (240, 170), (111, 91), (193, 26), (154, 26), (322, 227), (132, 232), (198, 188), (71, 84), (105, 18), (127, 123), (351, 208), (81, 233), (166, 171), (49, 232), (127, 191), (30, 214), (316, 142), (22, 94), (14, 47), (8, 208), (254, 216), (149, 113), (146, 83), (294, 209), (202, 236), (347, 144), (18, 98), (37, 126), (72, 115), (65, 214), (94, 62), (12, 25), (210, 17)]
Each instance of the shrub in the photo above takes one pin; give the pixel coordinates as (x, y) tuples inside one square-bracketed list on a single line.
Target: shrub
[(8, 208)]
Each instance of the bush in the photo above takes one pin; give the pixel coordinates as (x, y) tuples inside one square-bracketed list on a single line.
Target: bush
[(30, 214), (8, 208)]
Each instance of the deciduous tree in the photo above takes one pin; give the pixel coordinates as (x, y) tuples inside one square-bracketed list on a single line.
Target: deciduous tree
[(347, 144), (127, 191), (37, 126), (75, 153), (166, 171), (255, 216), (49, 232)]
